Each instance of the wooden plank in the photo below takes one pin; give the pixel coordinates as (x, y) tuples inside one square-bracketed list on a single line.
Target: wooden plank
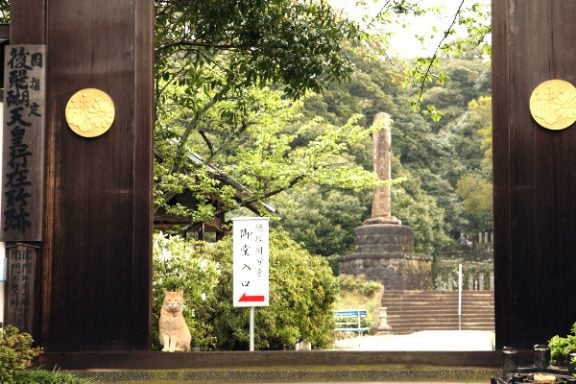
[(21, 305), (24, 144), (501, 171), (142, 220), (28, 22), (534, 174), (100, 200)]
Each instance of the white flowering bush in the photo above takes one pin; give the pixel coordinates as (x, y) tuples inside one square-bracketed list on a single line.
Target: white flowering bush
[(186, 265)]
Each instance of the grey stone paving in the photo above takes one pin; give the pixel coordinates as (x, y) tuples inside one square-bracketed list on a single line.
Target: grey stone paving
[(422, 341)]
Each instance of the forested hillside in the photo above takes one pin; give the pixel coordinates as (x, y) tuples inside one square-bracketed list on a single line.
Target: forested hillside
[(443, 167)]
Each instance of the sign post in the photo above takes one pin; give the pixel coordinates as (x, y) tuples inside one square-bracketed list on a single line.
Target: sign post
[(459, 297), (251, 265)]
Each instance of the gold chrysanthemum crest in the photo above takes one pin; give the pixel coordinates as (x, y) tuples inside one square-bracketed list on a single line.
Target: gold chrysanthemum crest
[(553, 104), (90, 112)]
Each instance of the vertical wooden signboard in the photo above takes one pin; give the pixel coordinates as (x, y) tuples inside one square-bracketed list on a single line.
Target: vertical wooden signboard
[(22, 293), (534, 171), (23, 152), (23, 178)]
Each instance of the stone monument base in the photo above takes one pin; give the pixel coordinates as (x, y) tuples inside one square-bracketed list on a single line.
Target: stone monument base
[(385, 253)]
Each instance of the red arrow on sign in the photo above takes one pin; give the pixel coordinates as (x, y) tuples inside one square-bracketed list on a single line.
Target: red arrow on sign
[(251, 299)]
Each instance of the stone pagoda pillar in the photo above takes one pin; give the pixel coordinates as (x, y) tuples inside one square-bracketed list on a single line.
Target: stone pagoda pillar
[(384, 247)]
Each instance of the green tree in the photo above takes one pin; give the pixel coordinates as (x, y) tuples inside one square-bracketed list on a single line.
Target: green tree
[(322, 219), (213, 102), (302, 292), (420, 210), (293, 43), (273, 148), (213, 53), (475, 185), (440, 153), (213, 59), (476, 193)]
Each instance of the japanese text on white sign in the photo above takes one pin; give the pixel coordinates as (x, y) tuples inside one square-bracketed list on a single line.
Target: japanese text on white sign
[(251, 261)]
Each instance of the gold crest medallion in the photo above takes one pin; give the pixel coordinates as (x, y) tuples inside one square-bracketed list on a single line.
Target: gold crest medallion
[(90, 112), (553, 104)]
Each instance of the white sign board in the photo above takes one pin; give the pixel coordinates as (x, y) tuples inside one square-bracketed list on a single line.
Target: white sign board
[(251, 261)]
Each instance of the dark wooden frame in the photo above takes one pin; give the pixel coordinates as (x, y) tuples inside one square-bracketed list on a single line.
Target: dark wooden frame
[(534, 178)]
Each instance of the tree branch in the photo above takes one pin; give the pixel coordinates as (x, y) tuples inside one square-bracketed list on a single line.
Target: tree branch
[(208, 142), (189, 43), (178, 157), (274, 192), (438, 47)]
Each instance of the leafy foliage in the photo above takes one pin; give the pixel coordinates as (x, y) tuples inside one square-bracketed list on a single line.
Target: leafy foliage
[(322, 219), (355, 292), (302, 292), (562, 346), (272, 149), (475, 185), (42, 376), (430, 157), (279, 41), (212, 60), (358, 285), (422, 212), (187, 265), (4, 11), (16, 353)]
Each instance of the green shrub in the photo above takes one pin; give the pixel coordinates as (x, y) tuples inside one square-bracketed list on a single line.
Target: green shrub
[(302, 294), (355, 292), (359, 285), (560, 347), (190, 266), (41, 376), (16, 353)]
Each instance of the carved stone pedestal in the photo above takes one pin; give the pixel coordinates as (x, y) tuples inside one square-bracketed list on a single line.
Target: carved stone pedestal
[(385, 253)]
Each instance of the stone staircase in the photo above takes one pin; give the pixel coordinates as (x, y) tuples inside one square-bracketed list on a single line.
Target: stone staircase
[(412, 311)]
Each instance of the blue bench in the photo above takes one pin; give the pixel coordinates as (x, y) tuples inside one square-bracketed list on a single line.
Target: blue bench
[(350, 320)]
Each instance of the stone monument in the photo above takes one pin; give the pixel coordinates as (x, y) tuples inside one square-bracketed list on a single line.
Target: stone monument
[(384, 247)]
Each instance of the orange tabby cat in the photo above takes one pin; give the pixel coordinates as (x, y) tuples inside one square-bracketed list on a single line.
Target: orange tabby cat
[(174, 333)]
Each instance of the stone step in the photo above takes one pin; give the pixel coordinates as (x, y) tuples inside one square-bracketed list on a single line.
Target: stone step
[(436, 310), (432, 315), (411, 311)]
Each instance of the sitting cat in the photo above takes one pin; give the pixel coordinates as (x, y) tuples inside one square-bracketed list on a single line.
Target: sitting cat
[(174, 333)]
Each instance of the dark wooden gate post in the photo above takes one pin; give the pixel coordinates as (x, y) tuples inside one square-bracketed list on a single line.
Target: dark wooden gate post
[(534, 172), (96, 248)]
